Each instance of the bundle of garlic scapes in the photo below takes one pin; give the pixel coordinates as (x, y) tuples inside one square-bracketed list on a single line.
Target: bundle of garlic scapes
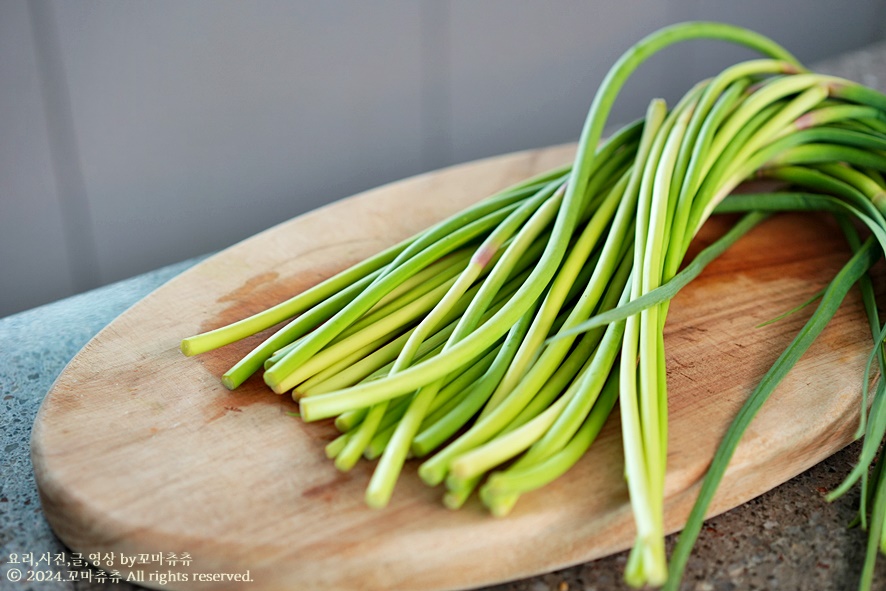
[(493, 345)]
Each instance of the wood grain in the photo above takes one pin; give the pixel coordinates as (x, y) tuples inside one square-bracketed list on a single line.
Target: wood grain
[(138, 449)]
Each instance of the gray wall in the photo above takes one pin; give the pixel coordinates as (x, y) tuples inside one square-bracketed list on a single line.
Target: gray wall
[(134, 134)]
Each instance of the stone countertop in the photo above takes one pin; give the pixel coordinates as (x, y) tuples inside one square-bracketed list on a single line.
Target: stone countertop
[(789, 538)]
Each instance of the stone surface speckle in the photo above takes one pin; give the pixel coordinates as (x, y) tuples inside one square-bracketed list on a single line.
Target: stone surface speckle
[(35, 346)]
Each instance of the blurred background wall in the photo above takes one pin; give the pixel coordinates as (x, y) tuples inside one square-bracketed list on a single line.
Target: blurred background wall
[(135, 134)]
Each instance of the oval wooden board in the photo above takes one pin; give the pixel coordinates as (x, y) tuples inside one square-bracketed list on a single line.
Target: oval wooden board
[(138, 449)]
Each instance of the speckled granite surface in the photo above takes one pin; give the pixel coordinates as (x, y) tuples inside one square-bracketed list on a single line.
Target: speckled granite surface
[(789, 538), (35, 346)]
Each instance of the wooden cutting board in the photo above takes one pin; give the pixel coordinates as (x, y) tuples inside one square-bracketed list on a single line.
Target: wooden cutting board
[(140, 450)]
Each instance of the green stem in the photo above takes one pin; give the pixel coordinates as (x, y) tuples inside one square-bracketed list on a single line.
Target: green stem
[(837, 290), (503, 488)]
